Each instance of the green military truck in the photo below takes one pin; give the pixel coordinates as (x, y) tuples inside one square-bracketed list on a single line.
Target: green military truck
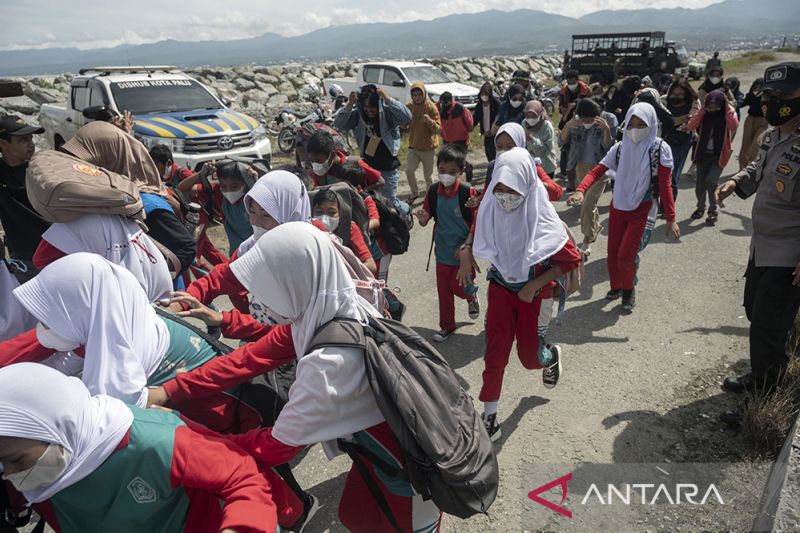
[(609, 56)]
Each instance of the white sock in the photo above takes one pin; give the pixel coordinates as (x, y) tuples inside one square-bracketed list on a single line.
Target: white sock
[(489, 408)]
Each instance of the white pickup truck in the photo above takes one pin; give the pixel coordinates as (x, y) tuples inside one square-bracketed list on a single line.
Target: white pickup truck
[(396, 78), (169, 108)]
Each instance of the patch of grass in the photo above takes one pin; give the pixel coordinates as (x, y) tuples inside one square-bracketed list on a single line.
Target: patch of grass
[(43, 83), (747, 60), (768, 417)]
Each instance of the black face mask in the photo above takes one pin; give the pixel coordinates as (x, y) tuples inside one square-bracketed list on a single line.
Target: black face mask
[(781, 111)]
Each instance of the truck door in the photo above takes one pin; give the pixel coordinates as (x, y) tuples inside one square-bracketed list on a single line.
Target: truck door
[(394, 84), (80, 100)]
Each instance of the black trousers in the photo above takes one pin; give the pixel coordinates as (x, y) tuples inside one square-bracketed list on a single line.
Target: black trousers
[(489, 148), (468, 170), (771, 303)]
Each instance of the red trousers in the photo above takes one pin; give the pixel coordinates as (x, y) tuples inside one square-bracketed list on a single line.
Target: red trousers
[(359, 512), (625, 231), (447, 286), (507, 318)]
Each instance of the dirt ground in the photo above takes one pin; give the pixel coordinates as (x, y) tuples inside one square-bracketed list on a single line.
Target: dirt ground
[(638, 388)]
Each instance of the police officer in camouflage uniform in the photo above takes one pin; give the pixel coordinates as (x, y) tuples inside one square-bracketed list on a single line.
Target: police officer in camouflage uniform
[(772, 287)]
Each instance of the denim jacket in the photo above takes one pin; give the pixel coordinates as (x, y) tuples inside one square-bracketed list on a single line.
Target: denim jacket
[(579, 136), (392, 116)]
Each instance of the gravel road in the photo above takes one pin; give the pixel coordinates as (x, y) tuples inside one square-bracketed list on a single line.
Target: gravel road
[(638, 388)]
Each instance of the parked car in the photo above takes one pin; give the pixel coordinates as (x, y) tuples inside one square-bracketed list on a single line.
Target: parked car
[(396, 77), (169, 108)]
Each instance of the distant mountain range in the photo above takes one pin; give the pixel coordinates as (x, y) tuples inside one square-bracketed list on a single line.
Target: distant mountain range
[(489, 32)]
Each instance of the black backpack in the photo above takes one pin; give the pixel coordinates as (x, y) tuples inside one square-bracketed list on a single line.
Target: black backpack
[(463, 196), (447, 453), (394, 227), (655, 160), (351, 209)]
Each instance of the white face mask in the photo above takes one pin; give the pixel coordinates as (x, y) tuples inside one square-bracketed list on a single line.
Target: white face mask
[(715, 79), (330, 223), (516, 103), (531, 122), (588, 126), (234, 196), (572, 86), (167, 172), (446, 179), (637, 135), (258, 232), (508, 201), (45, 472), (50, 339), (484, 98), (320, 169)]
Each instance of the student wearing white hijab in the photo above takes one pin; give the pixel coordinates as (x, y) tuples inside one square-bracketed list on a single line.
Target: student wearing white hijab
[(519, 232), (276, 198), (298, 278), (85, 300), (142, 470), (637, 162), (118, 239)]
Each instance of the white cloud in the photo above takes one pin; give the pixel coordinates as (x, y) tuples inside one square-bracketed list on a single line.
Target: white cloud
[(44, 24)]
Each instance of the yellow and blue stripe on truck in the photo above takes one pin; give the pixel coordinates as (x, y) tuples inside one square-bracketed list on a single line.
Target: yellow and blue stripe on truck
[(174, 125)]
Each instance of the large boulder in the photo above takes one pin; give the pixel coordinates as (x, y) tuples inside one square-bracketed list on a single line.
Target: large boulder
[(263, 79), (243, 84), (21, 105), (474, 71), (41, 95), (277, 100)]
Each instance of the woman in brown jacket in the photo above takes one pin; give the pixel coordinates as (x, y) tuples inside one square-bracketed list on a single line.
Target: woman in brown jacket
[(423, 137)]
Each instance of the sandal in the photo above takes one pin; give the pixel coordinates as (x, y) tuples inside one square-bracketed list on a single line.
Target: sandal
[(698, 214)]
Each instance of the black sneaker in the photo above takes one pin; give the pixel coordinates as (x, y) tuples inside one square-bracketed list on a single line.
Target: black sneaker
[(628, 300), (474, 308), (492, 427), (745, 383), (614, 294), (310, 508), (552, 373), (442, 335)]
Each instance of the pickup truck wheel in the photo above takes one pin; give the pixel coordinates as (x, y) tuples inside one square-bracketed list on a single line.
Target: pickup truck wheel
[(58, 142), (286, 140)]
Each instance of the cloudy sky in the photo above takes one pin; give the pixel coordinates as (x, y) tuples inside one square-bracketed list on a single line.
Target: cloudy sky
[(102, 23)]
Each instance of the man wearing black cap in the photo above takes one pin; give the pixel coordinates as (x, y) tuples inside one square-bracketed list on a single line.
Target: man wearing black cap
[(22, 225), (772, 287)]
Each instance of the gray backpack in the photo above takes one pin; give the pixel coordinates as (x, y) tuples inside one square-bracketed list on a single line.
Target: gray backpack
[(447, 453)]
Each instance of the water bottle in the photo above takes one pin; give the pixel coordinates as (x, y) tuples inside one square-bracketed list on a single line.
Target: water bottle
[(192, 219)]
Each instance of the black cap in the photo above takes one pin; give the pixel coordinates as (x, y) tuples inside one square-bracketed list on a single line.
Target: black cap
[(13, 125), (783, 77), (521, 75)]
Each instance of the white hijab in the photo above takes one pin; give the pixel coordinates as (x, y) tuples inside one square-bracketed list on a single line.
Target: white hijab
[(517, 240), (39, 403), (296, 271), (283, 196), (515, 131), (90, 301), (121, 241), (632, 175)]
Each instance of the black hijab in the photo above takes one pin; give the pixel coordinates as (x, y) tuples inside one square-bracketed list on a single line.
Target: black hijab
[(714, 123)]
